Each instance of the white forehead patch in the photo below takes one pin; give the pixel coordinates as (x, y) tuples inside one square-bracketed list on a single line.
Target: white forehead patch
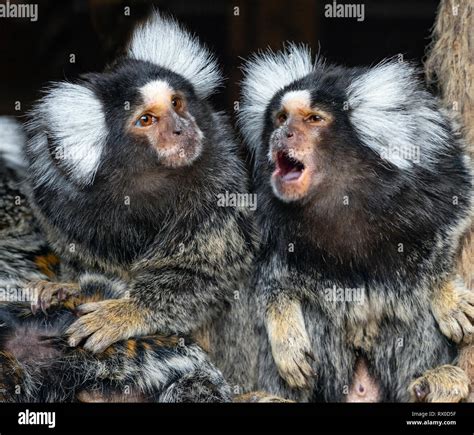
[(295, 100), (156, 92)]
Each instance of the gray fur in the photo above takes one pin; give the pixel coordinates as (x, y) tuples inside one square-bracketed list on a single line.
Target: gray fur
[(33, 369)]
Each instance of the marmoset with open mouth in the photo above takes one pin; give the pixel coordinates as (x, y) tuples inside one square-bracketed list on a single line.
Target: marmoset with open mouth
[(363, 183)]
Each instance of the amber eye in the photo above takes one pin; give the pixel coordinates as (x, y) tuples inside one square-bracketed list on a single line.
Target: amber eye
[(146, 120), (282, 117), (177, 102), (315, 118)]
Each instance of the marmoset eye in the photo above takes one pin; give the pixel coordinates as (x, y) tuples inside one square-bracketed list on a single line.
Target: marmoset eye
[(282, 117), (315, 118), (146, 120), (177, 102)]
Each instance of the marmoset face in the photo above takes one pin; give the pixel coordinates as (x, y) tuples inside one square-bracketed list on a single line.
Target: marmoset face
[(152, 115), (162, 119), (299, 130), (311, 148)]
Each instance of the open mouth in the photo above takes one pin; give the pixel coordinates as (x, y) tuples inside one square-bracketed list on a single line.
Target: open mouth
[(288, 168)]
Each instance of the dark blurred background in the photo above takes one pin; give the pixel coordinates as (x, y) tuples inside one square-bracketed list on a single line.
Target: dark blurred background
[(95, 31)]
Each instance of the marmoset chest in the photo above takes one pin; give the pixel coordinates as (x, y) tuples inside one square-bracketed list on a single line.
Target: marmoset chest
[(357, 309)]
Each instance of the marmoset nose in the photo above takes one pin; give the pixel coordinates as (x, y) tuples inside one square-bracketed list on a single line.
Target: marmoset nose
[(289, 134)]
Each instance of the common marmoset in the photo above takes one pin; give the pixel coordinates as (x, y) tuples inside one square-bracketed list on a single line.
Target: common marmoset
[(126, 169), (364, 191), (36, 365)]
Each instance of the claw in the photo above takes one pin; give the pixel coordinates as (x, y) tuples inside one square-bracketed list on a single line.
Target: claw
[(422, 390), (443, 384), (307, 372), (49, 294), (44, 307), (61, 295)]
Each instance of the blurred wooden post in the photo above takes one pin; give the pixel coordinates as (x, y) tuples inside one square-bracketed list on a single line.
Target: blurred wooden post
[(450, 64)]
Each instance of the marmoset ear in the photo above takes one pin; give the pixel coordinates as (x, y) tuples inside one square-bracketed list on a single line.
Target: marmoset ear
[(164, 42), (395, 116), (70, 122)]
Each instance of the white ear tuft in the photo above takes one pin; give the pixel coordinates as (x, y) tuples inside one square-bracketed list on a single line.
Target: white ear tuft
[(265, 74), (73, 119), (164, 42), (394, 116)]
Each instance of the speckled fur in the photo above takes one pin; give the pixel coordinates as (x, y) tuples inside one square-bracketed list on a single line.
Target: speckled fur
[(36, 365)]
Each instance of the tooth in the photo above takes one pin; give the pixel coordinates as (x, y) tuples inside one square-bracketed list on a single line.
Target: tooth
[(293, 175)]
